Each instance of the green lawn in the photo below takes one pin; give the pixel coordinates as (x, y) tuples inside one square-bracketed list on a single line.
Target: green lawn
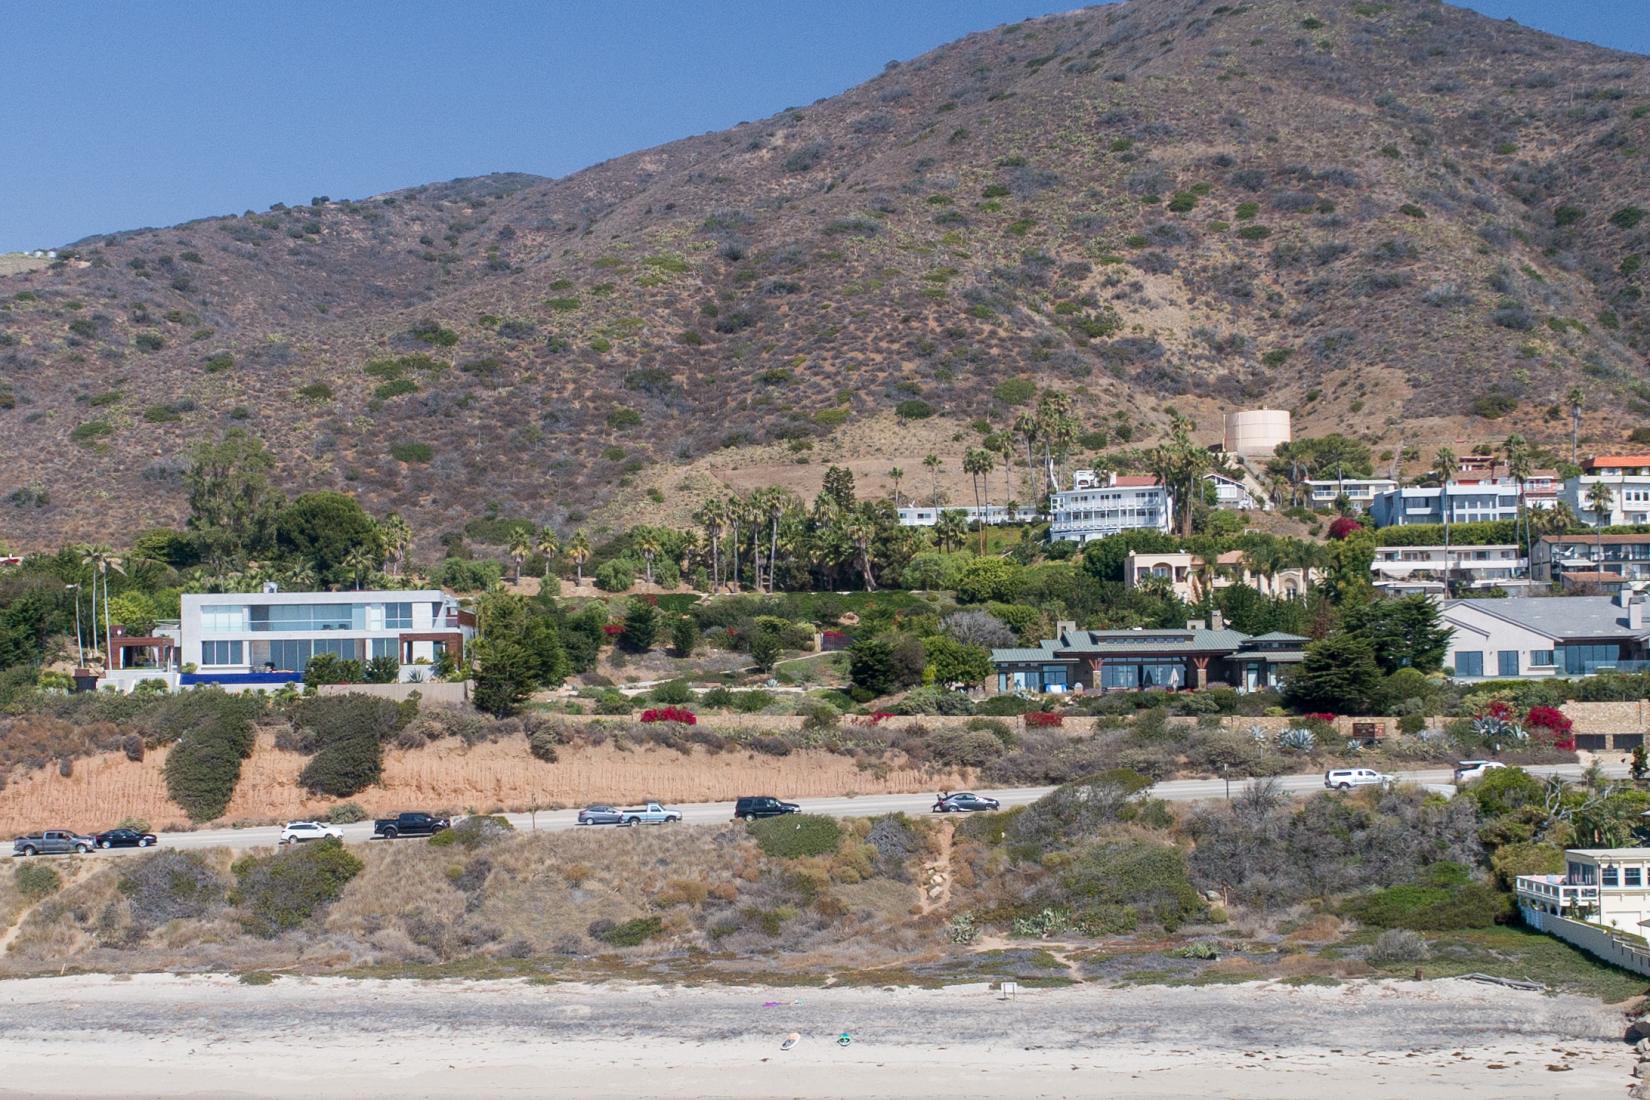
[(1515, 952)]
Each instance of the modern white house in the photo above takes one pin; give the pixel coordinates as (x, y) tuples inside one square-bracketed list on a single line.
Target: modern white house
[(1095, 507), (1592, 559), (1413, 570), (1360, 492), (1466, 500), (1534, 637), (264, 639)]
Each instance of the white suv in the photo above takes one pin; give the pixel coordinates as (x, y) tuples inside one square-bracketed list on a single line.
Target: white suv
[(1344, 779), (296, 832), (1468, 770)]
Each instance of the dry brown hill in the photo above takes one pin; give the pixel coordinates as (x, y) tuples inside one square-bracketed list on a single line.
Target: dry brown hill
[(1389, 216)]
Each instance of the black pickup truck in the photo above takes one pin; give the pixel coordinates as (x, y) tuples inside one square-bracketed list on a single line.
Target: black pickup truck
[(419, 824)]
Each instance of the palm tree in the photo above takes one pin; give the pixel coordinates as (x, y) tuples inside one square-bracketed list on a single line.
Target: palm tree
[(777, 502), (977, 464), (1575, 397), (894, 475), (1057, 430), (1026, 427), (732, 511), (647, 542), (397, 536), (1445, 466), (102, 559), (548, 547), (1519, 465), (579, 551), (521, 544), (932, 461), (1601, 501), (361, 561), (860, 531), (711, 515), (950, 529)]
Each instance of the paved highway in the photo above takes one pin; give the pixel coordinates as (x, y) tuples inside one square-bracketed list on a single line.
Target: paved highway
[(701, 813)]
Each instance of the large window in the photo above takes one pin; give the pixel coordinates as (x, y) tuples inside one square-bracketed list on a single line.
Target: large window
[(292, 654), (1541, 658), (1583, 659), (398, 616), (305, 618), (386, 647), (222, 619), (1469, 662), (221, 653), (1506, 662)]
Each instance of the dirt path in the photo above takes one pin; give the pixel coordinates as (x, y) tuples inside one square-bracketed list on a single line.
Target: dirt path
[(936, 874), (408, 1040)]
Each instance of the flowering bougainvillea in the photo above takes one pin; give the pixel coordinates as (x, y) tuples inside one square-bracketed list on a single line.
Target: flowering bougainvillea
[(670, 714), (1552, 725), (1319, 716), (1043, 719)]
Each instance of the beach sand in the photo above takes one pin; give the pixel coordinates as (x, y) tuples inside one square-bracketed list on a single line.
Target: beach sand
[(321, 1038)]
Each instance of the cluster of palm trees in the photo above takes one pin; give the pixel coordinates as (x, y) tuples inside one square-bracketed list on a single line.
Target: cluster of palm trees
[(383, 553)]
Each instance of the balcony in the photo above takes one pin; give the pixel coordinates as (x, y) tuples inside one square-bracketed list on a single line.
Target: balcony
[(1548, 891)]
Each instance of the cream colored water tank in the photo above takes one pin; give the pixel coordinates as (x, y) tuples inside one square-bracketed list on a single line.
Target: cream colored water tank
[(1256, 433)]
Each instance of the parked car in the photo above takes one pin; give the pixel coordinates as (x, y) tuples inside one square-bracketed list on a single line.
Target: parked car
[(409, 824), (750, 807), (649, 814), (963, 801), (297, 832), (600, 815), (1468, 770), (1344, 779), (52, 842), (125, 838)]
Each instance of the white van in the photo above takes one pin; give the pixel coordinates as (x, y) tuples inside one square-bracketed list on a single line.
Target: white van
[(1344, 779)]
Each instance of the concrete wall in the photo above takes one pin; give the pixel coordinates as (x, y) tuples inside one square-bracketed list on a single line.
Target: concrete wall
[(440, 691), (1597, 942)]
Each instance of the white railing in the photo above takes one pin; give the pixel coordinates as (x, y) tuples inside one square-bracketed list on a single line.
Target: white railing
[(1553, 889)]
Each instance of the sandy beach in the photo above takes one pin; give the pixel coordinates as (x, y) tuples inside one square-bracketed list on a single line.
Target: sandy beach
[(166, 1036)]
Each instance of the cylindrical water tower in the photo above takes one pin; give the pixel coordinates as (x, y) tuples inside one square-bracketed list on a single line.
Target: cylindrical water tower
[(1256, 433)]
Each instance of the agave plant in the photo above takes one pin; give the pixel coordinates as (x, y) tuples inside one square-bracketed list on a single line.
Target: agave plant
[(1258, 734), (1297, 739), (1495, 729)]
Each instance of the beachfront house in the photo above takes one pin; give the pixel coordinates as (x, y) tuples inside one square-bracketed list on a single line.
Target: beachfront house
[(1533, 637), (1205, 654)]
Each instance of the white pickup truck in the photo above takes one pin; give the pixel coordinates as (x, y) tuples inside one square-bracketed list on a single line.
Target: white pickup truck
[(650, 814)]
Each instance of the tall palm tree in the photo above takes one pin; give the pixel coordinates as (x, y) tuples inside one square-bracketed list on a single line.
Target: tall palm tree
[(1601, 501), (647, 542), (578, 550), (521, 544), (860, 531), (977, 464), (102, 559), (932, 461), (1025, 426), (361, 561), (777, 502), (950, 529), (548, 547), (1445, 466), (711, 515), (732, 512), (1519, 466), (1575, 398), (397, 536), (895, 474)]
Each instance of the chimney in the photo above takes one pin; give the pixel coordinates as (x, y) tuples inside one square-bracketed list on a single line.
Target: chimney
[(1196, 624), (1217, 620), (1064, 627), (1635, 610)]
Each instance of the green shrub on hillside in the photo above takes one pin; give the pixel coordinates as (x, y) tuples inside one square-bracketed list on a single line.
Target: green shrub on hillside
[(1448, 900), (476, 831), (168, 886), (793, 836), (36, 880), (631, 933), (279, 892), (347, 734), (411, 452), (204, 766)]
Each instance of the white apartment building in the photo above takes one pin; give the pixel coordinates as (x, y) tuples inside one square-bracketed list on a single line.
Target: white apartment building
[(1628, 479), (926, 515), (1408, 570), (252, 640), (1096, 507), (1360, 492)]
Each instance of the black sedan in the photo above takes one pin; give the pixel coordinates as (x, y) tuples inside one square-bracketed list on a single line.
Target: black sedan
[(600, 815), (125, 838), (962, 801)]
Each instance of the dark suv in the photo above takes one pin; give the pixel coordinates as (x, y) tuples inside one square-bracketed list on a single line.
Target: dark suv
[(751, 808)]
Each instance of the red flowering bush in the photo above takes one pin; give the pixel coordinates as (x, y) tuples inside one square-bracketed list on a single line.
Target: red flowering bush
[(1342, 526), (1551, 724), (1042, 719), (1319, 716), (613, 630), (680, 715)]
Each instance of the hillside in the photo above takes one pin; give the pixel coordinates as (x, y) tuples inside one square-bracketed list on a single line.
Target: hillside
[(1377, 214)]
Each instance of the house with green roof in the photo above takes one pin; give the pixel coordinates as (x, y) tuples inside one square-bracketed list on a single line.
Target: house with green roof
[(1204, 654)]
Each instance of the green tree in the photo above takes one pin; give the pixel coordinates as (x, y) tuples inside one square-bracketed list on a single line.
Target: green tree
[(1338, 676), (641, 627), (233, 502), (684, 636), (521, 545), (953, 662), (950, 529), (548, 547), (839, 485), (1103, 558), (505, 676), (578, 552), (765, 648), (985, 579), (871, 666), (1402, 633), (323, 528)]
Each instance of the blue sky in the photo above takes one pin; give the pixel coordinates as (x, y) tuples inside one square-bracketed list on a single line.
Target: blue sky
[(121, 115)]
